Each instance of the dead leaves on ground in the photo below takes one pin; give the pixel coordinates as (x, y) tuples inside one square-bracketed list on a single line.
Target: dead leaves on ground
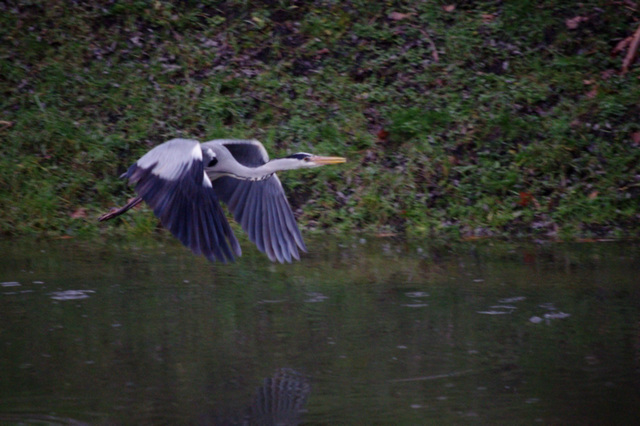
[(574, 23), (397, 16), (631, 53), (79, 213), (631, 44)]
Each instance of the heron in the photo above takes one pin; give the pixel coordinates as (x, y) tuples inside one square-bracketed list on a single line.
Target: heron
[(184, 181)]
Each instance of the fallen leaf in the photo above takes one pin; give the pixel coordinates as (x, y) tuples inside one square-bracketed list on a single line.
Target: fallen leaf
[(525, 198), (622, 45), (593, 195), (386, 234), (607, 74), (588, 82), (383, 135), (592, 93), (573, 23), (488, 17), (80, 213), (449, 8), (397, 16), (474, 237), (635, 137)]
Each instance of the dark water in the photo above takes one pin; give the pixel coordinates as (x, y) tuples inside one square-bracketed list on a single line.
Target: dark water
[(356, 333)]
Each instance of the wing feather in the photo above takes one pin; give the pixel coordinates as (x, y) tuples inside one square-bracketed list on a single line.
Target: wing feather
[(290, 221), (273, 236), (262, 210), (280, 247), (289, 248), (255, 209), (285, 252), (171, 179)]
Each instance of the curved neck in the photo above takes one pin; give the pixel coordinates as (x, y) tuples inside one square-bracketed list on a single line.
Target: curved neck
[(262, 172)]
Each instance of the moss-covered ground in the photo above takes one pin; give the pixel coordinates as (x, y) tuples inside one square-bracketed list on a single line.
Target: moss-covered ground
[(460, 119)]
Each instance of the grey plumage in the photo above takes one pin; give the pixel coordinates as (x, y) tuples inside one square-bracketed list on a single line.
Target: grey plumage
[(184, 181)]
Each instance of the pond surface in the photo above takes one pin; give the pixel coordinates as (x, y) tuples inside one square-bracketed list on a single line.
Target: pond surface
[(358, 332)]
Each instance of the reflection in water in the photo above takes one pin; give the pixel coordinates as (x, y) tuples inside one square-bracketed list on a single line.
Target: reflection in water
[(416, 298), (315, 297), (279, 401), (128, 336), (512, 299), (552, 314), (498, 310), (38, 419), (71, 294)]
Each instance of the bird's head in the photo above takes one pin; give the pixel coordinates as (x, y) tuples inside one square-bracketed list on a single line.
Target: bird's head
[(306, 160)]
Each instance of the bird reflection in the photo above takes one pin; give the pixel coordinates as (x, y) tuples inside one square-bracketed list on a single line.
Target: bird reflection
[(278, 402), (280, 399)]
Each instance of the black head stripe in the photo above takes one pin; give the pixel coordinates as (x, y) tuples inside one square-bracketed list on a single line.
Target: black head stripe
[(299, 155), (209, 157)]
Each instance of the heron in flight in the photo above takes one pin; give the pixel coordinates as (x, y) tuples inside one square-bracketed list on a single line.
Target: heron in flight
[(183, 181)]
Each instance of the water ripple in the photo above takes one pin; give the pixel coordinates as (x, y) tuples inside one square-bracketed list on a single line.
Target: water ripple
[(416, 294), (315, 297), (557, 315), (512, 299), (415, 305), (70, 294)]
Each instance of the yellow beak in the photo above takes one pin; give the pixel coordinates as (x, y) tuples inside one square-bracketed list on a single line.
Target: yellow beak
[(317, 159)]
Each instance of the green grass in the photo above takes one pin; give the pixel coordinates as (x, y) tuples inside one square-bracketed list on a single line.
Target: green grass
[(518, 107)]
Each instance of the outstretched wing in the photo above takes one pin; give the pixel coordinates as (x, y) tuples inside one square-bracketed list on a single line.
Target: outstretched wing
[(263, 211), (171, 179), (260, 207)]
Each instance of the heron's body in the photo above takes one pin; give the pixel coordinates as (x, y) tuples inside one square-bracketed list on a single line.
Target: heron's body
[(183, 181)]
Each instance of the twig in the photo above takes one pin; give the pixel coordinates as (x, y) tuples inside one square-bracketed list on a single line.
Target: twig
[(434, 377), (631, 53), (268, 103), (434, 51)]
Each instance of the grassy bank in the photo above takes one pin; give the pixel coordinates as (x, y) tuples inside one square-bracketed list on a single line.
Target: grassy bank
[(460, 119)]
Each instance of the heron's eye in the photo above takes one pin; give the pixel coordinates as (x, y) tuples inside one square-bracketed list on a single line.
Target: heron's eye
[(213, 162), (306, 159)]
